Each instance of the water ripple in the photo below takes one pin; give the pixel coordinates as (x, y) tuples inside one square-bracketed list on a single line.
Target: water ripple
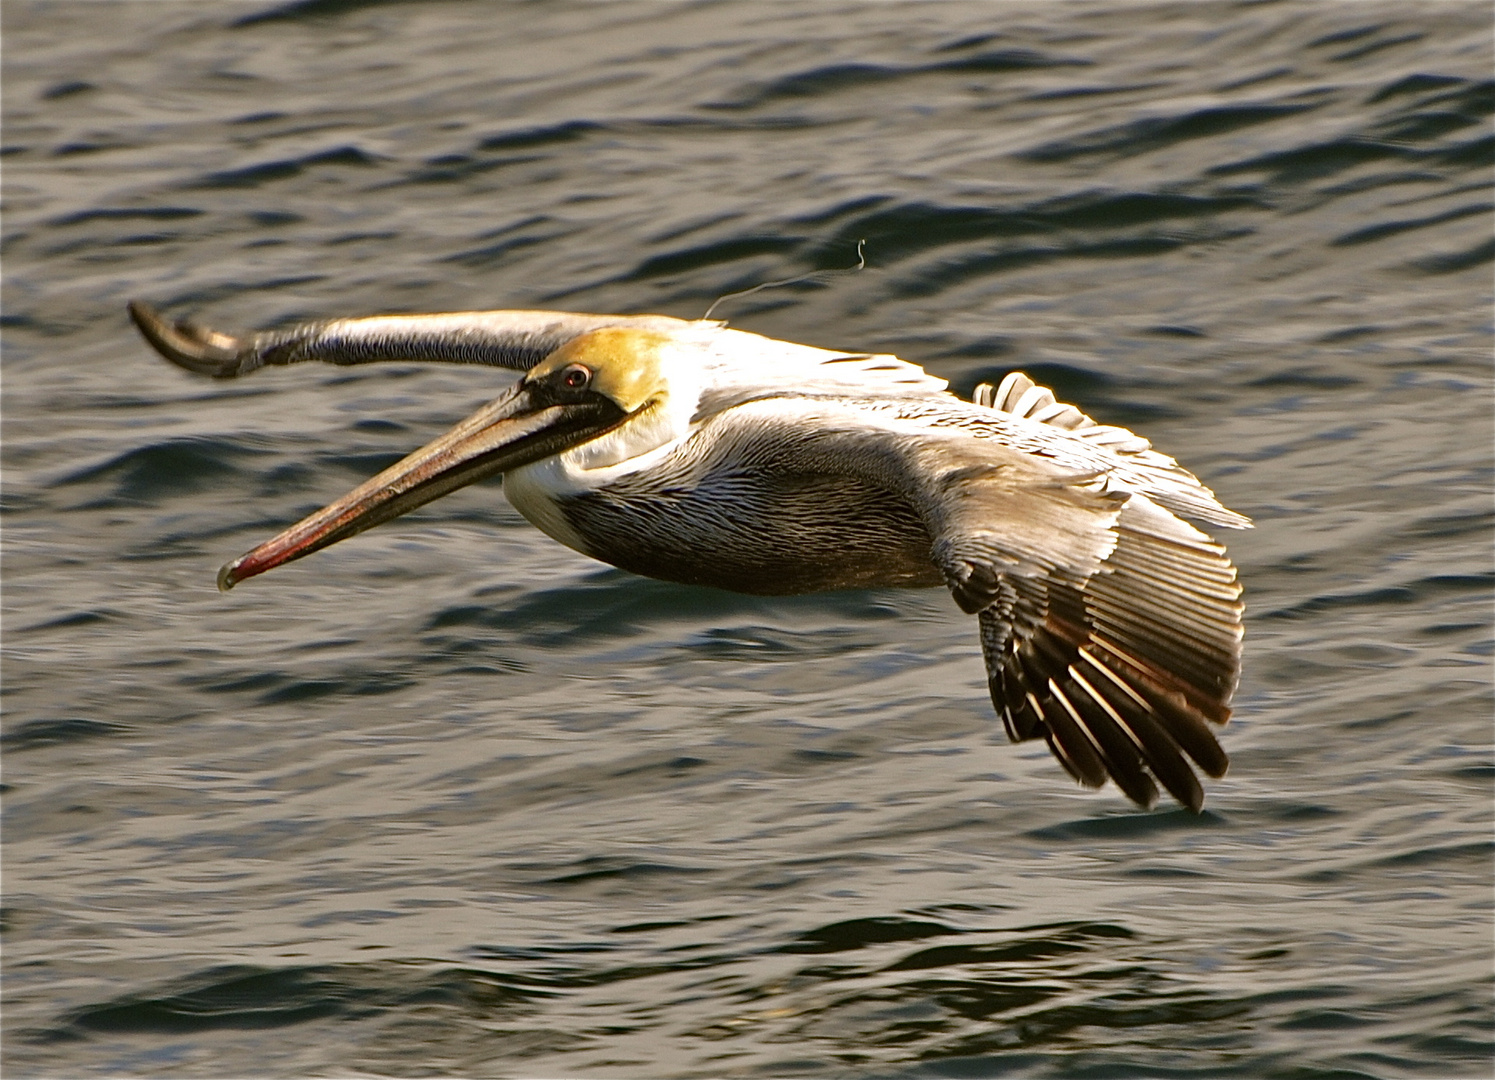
[(450, 799)]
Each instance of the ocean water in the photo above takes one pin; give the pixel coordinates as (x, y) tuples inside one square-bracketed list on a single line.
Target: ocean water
[(451, 800)]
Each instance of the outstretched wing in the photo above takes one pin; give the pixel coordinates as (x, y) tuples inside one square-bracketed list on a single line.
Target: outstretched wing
[(508, 339), (1110, 627), (1124, 676)]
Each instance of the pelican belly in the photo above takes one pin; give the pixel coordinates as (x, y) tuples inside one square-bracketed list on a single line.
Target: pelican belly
[(702, 513), (770, 535)]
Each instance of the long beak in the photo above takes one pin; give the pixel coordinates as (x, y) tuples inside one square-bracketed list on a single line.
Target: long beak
[(515, 430)]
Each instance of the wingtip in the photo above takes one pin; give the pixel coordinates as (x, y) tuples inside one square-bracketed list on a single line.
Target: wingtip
[(196, 348)]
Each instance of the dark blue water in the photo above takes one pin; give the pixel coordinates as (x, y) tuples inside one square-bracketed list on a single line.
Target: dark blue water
[(449, 799)]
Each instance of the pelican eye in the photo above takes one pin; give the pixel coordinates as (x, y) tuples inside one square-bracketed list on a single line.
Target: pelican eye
[(576, 377)]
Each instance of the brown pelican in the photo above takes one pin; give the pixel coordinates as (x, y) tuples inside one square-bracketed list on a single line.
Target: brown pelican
[(696, 453)]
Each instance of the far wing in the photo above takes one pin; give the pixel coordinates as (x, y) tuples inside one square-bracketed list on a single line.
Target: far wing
[(507, 339)]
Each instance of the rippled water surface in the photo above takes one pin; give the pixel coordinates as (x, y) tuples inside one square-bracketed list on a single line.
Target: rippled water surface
[(452, 800)]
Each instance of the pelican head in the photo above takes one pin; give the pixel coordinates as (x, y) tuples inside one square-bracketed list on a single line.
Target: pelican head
[(624, 365), (605, 395)]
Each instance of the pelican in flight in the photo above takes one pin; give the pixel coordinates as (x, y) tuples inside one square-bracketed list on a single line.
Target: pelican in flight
[(696, 453)]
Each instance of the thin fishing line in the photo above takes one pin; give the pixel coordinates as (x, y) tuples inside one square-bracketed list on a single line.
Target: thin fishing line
[(819, 274)]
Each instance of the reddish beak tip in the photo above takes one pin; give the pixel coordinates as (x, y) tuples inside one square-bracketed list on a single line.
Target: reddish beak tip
[(227, 579)]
